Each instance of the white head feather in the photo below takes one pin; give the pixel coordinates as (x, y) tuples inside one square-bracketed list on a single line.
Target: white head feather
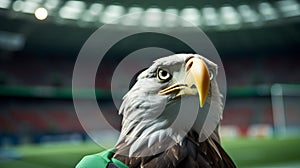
[(147, 116)]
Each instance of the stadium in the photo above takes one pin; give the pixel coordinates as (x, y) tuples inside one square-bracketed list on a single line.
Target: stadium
[(257, 41)]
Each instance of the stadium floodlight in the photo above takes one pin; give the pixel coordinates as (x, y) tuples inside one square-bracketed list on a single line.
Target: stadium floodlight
[(289, 8), (4, 4), (91, 14), (51, 4), (112, 13), (96, 8), (30, 6), (248, 15), (18, 5), (153, 17), (229, 16), (41, 13), (267, 11), (72, 10), (133, 17), (191, 15), (210, 16), (170, 18)]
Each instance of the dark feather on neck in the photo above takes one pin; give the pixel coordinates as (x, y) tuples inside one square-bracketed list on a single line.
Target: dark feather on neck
[(191, 154)]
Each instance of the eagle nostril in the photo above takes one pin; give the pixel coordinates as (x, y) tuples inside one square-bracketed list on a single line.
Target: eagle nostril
[(188, 58), (193, 86), (189, 65)]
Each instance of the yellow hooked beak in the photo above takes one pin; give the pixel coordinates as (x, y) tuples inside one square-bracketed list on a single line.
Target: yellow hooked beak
[(196, 75)]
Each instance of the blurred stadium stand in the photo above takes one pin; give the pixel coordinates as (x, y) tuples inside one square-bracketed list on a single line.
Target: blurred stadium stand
[(258, 42)]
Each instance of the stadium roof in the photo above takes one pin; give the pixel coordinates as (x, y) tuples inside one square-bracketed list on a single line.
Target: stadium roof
[(229, 23)]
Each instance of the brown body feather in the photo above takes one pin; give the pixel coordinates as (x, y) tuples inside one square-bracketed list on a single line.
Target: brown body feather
[(192, 154)]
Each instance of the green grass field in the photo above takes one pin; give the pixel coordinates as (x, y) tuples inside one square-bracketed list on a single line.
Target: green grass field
[(245, 152)]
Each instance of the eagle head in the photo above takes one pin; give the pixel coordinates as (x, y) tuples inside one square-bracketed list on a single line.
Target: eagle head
[(153, 104)]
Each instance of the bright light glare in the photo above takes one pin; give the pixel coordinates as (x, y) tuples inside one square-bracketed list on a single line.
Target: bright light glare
[(18, 5), (171, 18), (152, 17), (112, 13), (96, 8), (91, 14), (192, 16), (229, 15), (210, 16), (72, 10), (30, 6), (41, 13), (248, 15), (289, 8), (51, 4), (5, 3), (267, 11), (133, 16)]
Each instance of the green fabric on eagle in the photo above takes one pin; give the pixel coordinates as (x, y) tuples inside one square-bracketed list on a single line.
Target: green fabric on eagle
[(100, 160)]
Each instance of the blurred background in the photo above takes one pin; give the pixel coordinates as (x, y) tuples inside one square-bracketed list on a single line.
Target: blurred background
[(257, 40)]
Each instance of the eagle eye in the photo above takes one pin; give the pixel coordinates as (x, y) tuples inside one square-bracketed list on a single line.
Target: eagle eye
[(163, 75)]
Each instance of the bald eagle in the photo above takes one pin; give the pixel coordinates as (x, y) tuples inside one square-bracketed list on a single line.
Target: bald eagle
[(149, 138)]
